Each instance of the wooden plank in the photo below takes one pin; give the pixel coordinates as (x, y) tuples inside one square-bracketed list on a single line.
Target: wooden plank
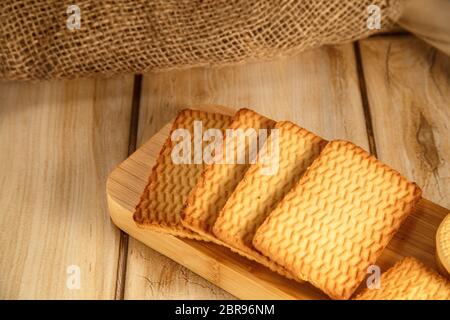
[(132, 140), (428, 20), (58, 142), (317, 89), (408, 86), (243, 278)]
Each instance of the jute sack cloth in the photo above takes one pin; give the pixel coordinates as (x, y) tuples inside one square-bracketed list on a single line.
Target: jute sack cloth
[(136, 36)]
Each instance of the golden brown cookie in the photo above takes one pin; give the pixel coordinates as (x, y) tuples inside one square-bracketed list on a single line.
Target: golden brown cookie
[(338, 219), (258, 193), (409, 279), (219, 180), (171, 181), (443, 247)]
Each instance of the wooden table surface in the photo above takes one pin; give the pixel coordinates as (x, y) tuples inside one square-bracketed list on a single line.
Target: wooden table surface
[(60, 139)]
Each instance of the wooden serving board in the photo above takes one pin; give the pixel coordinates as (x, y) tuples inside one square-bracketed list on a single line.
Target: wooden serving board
[(241, 277)]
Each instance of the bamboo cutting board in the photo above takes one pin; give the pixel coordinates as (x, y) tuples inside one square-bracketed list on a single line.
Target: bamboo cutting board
[(243, 278)]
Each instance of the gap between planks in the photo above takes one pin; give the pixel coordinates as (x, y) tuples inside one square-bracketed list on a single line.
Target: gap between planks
[(132, 141), (364, 99)]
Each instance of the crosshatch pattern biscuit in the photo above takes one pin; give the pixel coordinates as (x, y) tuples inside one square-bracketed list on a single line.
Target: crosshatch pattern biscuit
[(443, 247), (219, 180), (170, 184), (257, 194), (337, 220), (216, 184), (409, 279)]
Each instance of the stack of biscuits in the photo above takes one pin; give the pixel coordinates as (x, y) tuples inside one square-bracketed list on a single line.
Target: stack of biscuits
[(323, 215)]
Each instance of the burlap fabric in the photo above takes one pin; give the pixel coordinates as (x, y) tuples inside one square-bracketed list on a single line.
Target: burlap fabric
[(139, 36)]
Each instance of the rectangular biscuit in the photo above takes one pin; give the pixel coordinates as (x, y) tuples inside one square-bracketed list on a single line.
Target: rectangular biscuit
[(219, 180), (171, 181), (337, 220), (258, 193), (409, 279)]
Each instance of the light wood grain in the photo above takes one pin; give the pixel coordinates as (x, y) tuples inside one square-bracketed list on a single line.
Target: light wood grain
[(409, 94), (243, 278), (318, 89), (58, 142), (428, 20), (408, 85)]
